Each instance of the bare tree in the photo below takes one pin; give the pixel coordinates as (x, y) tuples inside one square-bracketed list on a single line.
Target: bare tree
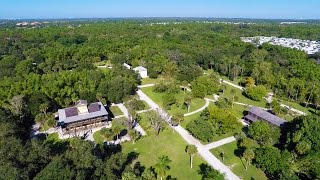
[(156, 122), (16, 105)]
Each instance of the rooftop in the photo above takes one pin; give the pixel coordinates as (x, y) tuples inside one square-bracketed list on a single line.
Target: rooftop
[(266, 116), (81, 111), (140, 68)]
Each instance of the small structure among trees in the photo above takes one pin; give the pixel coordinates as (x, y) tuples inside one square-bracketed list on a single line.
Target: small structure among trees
[(142, 71)]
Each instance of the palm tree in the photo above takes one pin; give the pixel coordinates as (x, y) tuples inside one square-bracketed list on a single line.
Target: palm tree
[(116, 130), (187, 101), (162, 167), (107, 134), (248, 155), (222, 155), (233, 94), (191, 150), (177, 118), (134, 135)]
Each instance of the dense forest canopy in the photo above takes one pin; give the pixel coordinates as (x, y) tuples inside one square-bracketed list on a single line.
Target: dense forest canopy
[(55, 66)]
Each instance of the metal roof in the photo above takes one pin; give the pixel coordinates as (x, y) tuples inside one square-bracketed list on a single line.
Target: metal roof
[(262, 114), (95, 110), (140, 68)]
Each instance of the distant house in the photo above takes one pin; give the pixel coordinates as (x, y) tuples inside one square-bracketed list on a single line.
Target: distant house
[(256, 114), (142, 71), (82, 116)]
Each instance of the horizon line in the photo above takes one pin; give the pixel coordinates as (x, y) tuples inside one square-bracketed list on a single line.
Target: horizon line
[(168, 17)]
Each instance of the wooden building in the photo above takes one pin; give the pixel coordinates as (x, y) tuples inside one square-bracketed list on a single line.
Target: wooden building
[(82, 116)]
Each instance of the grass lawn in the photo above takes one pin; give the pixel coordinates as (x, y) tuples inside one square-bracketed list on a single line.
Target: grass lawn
[(97, 137), (236, 164), (103, 63), (44, 127), (294, 105), (53, 137), (168, 143), (238, 110), (242, 99), (188, 119), (116, 111), (196, 103), (150, 81)]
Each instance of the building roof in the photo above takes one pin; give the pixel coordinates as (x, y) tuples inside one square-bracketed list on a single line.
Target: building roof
[(262, 114), (140, 68), (72, 114)]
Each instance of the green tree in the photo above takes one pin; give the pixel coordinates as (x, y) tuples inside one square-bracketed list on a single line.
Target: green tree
[(264, 133), (209, 173), (191, 150), (107, 134), (148, 174), (134, 135), (162, 167), (128, 176), (116, 129)]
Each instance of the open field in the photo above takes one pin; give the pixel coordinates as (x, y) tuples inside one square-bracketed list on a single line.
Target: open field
[(236, 164), (242, 99), (196, 103), (170, 144)]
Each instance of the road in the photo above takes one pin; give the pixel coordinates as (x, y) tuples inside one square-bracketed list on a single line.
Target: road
[(202, 150)]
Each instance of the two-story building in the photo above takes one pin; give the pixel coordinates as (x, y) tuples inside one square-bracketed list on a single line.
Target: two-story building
[(82, 116)]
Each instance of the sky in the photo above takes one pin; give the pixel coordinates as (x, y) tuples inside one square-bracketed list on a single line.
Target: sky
[(274, 9)]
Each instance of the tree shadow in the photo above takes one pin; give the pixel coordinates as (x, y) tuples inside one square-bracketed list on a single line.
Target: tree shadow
[(131, 157), (203, 169), (57, 147)]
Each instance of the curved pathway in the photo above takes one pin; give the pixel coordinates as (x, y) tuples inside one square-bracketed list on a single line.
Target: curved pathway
[(202, 150), (198, 110), (270, 98)]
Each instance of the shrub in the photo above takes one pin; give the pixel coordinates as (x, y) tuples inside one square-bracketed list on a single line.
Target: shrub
[(256, 93)]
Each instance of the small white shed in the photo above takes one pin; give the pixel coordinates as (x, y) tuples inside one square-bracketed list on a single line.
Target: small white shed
[(143, 72)]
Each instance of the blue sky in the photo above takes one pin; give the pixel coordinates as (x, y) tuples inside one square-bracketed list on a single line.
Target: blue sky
[(287, 9)]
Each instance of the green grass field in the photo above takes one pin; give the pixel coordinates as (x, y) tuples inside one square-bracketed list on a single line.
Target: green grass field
[(168, 143), (98, 138), (242, 99), (196, 103), (116, 111), (236, 164), (150, 81), (53, 137)]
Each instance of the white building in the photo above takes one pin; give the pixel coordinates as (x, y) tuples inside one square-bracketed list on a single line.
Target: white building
[(142, 71), (127, 65)]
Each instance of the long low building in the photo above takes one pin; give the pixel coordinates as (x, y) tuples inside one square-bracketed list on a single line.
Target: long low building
[(82, 116), (256, 114)]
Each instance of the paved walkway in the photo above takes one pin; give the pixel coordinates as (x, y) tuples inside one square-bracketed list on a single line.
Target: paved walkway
[(198, 110), (220, 143), (137, 127), (232, 84), (202, 150), (146, 85), (269, 98)]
